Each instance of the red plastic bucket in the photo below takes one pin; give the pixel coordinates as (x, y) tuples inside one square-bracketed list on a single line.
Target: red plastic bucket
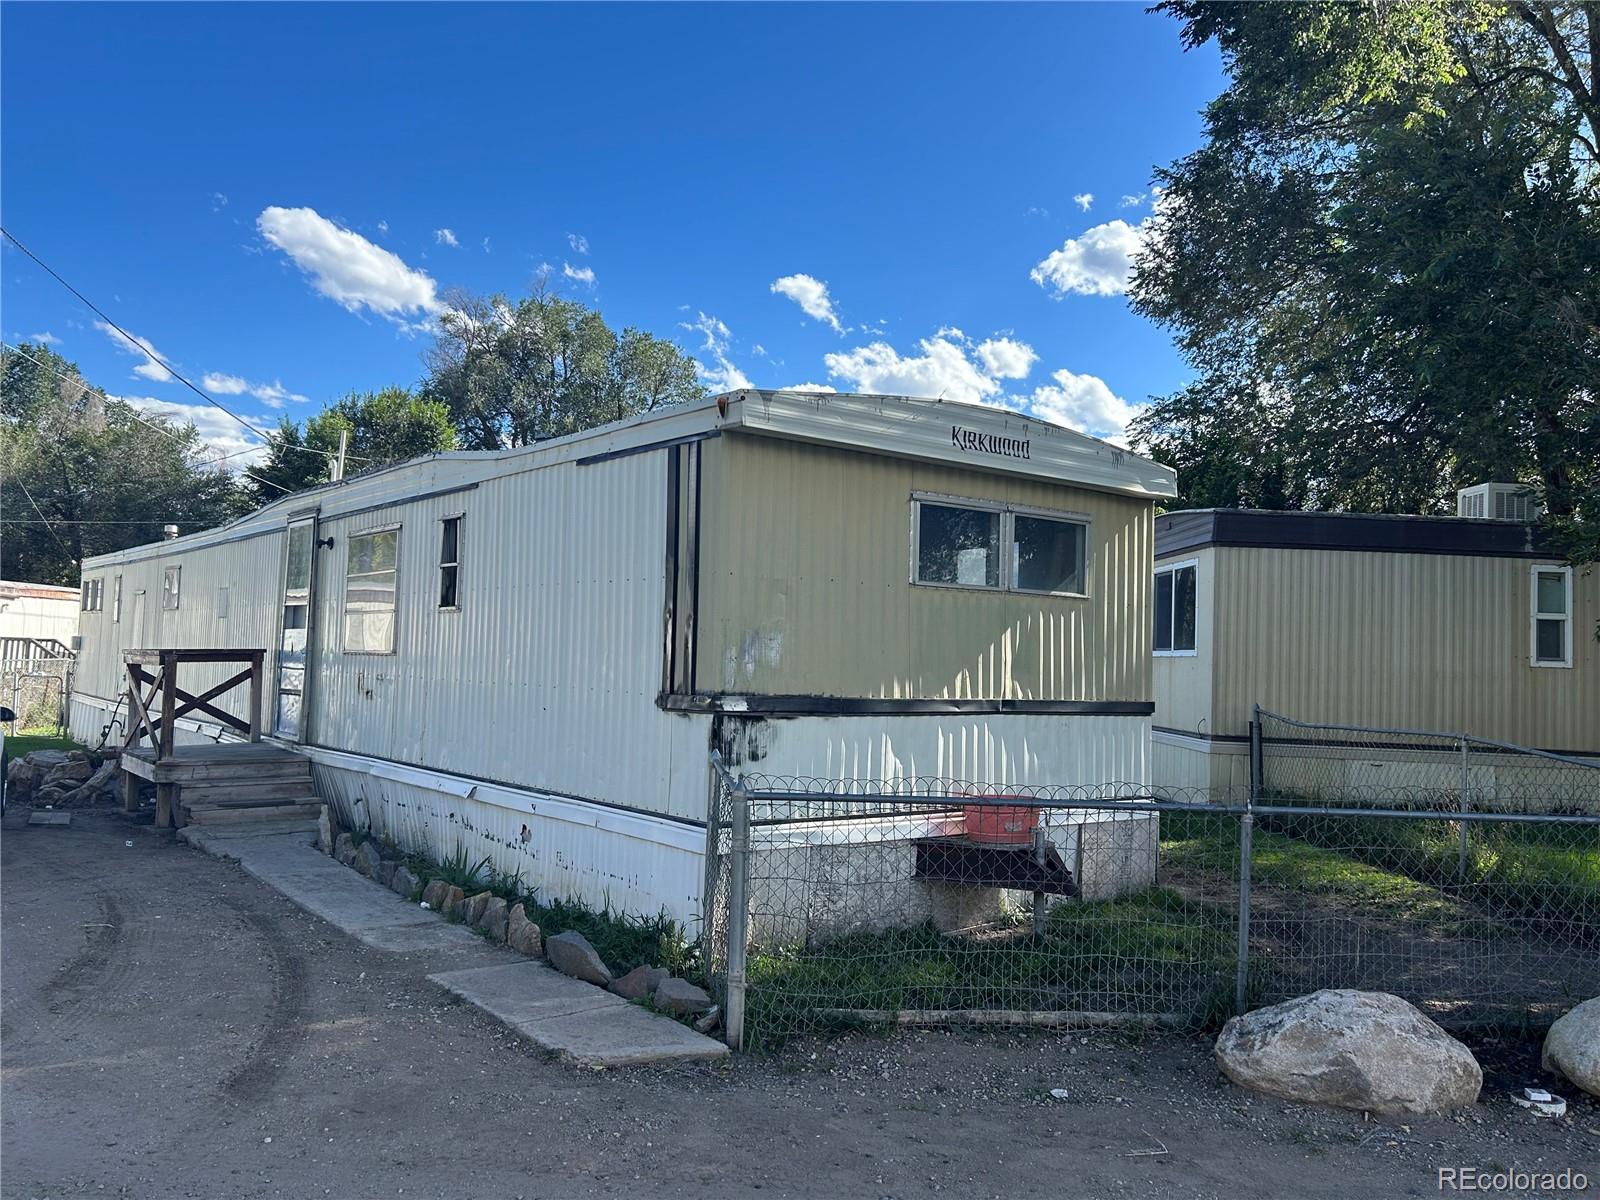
[(1001, 824)]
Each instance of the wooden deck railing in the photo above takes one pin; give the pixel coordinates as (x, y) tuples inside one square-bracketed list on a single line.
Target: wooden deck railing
[(146, 720)]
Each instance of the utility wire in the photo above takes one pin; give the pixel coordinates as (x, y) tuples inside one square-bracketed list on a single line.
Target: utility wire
[(134, 413), (64, 547), (165, 366)]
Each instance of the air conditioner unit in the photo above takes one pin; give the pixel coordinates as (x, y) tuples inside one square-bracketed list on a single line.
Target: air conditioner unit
[(1497, 502)]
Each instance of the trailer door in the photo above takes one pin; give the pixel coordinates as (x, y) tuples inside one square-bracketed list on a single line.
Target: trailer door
[(294, 639)]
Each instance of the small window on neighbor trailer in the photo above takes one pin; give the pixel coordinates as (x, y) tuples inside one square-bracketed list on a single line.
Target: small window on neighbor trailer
[(1550, 632), (1175, 608), (369, 591), (170, 580), (450, 562), (957, 543)]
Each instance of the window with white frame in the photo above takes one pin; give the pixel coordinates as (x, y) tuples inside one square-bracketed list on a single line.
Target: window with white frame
[(93, 595), (116, 599), (450, 562), (1175, 597), (1550, 616), (170, 581), (371, 564), (958, 543)]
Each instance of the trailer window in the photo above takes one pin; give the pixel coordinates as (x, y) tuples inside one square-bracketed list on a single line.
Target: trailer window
[(116, 600), (449, 562), (1551, 634), (369, 592), (1047, 555), (957, 547), (170, 580), (1175, 609)]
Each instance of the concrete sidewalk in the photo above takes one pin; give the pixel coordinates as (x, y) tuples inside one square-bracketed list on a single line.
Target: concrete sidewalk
[(578, 1020)]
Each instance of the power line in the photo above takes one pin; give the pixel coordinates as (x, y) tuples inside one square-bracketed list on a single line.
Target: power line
[(134, 413), (165, 366), (64, 521), (64, 548)]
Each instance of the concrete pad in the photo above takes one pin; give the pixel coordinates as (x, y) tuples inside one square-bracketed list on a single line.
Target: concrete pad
[(578, 1020), (367, 911)]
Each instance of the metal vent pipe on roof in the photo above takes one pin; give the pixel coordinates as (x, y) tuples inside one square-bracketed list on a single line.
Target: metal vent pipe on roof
[(168, 532)]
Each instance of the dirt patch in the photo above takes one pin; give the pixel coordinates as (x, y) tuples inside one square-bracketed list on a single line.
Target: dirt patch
[(229, 1045)]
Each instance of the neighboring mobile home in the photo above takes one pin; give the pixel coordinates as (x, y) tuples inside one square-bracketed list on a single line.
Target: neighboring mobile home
[(532, 652), (38, 620), (1458, 624)]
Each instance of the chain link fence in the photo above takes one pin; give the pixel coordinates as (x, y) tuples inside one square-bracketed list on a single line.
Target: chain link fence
[(834, 903), (36, 690)]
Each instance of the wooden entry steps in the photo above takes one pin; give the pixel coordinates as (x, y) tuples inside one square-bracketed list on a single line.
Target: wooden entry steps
[(224, 783)]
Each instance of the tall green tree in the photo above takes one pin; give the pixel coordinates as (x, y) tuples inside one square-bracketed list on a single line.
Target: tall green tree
[(1384, 262), (380, 428), (513, 373), (83, 474)]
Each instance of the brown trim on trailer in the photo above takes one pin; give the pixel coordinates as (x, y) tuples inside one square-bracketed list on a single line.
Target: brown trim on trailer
[(1383, 533), (823, 706)]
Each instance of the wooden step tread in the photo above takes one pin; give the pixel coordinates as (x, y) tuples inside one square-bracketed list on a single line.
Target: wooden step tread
[(287, 797), (276, 812)]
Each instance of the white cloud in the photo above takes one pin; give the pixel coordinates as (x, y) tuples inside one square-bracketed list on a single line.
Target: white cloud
[(759, 350), (1081, 402), (943, 369), (347, 268), (1098, 262), (809, 387), (1006, 358), (486, 245), (446, 237), (1083, 200), (579, 243), (812, 296), (224, 385), (273, 395), (1133, 201), (584, 275), (383, 227), (221, 433), (44, 339), (153, 363), (218, 202), (722, 375)]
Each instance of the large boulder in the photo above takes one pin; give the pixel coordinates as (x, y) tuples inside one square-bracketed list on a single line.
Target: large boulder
[(344, 849), (522, 935), (472, 911), (70, 773), (1572, 1047), (571, 954), (100, 786), (1368, 1051), (454, 903), (327, 830)]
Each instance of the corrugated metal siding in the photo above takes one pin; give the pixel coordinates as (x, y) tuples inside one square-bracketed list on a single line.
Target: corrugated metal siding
[(548, 674), (623, 865), (251, 570), (1020, 748), (804, 586), (1421, 641)]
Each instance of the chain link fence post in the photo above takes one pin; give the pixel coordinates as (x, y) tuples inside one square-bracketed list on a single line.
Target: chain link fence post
[(738, 914), (1241, 976)]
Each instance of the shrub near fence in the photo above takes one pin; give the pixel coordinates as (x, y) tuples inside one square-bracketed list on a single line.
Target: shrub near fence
[(829, 904)]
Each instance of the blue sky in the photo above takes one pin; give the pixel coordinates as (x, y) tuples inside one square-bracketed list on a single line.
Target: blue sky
[(278, 199)]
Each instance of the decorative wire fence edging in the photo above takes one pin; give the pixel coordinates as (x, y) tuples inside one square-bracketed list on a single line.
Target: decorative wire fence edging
[(915, 901)]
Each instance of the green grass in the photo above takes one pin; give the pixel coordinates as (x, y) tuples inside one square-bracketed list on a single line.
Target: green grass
[(29, 740), (1154, 952)]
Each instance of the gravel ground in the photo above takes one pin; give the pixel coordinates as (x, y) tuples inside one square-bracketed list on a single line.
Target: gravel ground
[(172, 1028)]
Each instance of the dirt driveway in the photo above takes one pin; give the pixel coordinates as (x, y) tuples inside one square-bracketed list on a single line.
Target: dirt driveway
[(172, 1028)]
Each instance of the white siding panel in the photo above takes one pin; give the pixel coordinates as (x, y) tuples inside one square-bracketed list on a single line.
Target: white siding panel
[(547, 676), (1021, 748)]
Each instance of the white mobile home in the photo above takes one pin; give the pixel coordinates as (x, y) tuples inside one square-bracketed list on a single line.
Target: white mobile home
[(531, 653), (38, 619), (1459, 624)]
